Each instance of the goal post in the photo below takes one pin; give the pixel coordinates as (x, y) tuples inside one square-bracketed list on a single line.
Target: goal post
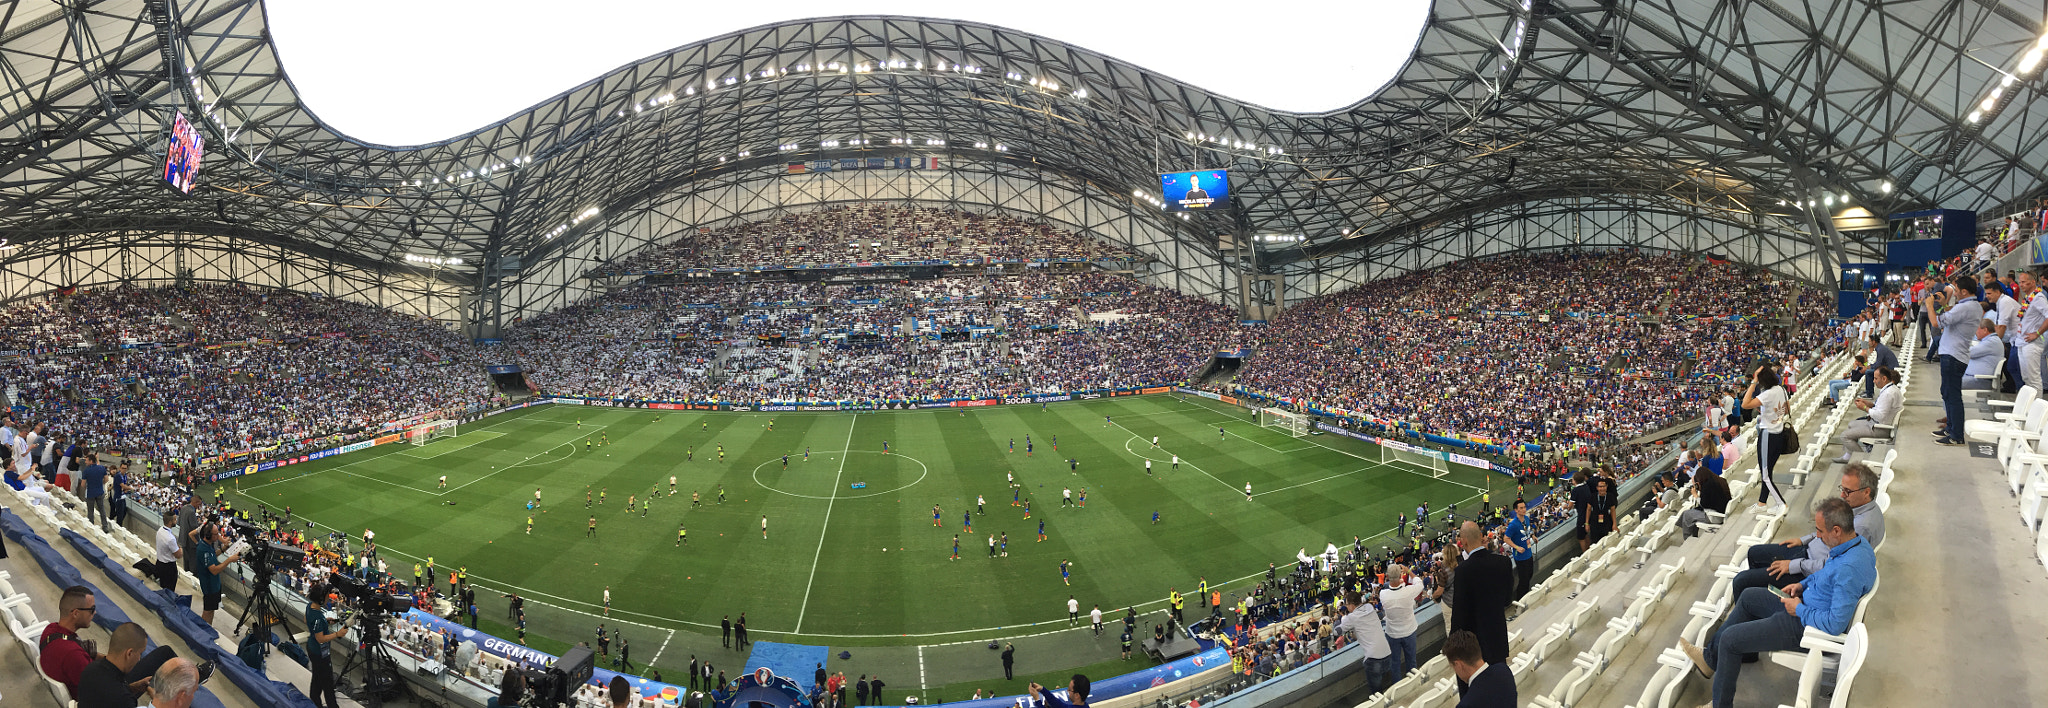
[(432, 430), (1421, 461), (1294, 424)]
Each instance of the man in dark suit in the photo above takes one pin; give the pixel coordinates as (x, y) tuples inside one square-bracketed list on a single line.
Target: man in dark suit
[(1481, 683), (1480, 594)]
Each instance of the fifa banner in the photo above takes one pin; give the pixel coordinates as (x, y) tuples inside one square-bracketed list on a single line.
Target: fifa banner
[(1216, 659), (535, 659)]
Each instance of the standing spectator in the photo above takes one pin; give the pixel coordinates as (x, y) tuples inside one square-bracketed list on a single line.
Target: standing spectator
[(1521, 547), (2027, 334), (94, 477), (167, 554), (1481, 600), (1481, 683), (1397, 600), (1956, 324), (1582, 502), (188, 526), (1771, 402), (1363, 622), (1077, 694), (117, 496)]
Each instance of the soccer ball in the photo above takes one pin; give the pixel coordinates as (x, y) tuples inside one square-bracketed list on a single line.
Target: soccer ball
[(885, 549)]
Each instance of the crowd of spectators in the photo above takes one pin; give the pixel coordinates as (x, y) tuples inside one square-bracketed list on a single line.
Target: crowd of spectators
[(867, 233), (1515, 350), (182, 373), (1585, 348), (959, 336)]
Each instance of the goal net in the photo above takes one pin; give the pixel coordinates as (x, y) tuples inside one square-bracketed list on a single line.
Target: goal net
[(1432, 465), (432, 430), (1295, 424)]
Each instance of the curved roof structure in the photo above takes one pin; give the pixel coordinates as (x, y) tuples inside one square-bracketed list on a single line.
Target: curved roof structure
[(1717, 116)]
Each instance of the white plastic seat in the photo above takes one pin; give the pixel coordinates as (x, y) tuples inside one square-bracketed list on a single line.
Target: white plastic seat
[(2033, 498), (2010, 433), (1850, 650), (2018, 404), (2041, 545)]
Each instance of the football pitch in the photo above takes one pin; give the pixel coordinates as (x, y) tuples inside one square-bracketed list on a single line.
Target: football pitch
[(851, 558)]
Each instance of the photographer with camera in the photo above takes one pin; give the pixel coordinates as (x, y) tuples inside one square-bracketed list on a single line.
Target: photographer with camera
[(320, 659)]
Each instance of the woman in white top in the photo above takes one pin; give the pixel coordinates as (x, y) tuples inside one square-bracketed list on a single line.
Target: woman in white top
[(1770, 400)]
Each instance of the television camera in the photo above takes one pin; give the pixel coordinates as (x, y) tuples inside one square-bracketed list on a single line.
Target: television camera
[(550, 687)]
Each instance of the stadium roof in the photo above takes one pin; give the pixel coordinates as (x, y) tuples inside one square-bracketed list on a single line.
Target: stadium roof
[(1717, 109)]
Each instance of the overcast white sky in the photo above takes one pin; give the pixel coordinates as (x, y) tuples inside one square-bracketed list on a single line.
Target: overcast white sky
[(406, 72)]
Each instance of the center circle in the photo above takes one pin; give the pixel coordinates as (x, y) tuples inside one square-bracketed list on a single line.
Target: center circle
[(923, 471)]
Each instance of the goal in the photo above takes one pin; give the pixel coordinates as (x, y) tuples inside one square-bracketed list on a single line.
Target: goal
[(1427, 463), (1295, 424), (432, 430)]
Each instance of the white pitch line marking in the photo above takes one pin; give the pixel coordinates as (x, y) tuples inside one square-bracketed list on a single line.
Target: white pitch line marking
[(855, 418)]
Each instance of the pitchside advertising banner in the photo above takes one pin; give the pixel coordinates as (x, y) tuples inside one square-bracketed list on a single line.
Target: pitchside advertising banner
[(1392, 444)]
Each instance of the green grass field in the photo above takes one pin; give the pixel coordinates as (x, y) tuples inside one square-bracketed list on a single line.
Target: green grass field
[(862, 569)]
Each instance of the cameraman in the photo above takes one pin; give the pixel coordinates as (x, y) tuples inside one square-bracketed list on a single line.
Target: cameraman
[(213, 541), (318, 634)]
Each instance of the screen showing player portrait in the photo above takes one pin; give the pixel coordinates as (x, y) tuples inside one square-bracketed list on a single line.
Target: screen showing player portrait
[(1200, 190), (181, 164)]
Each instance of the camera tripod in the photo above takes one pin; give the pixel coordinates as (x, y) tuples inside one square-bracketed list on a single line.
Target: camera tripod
[(264, 609), (381, 680)]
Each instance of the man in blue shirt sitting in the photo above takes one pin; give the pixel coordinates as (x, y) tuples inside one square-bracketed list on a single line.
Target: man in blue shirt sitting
[(1761, 621)]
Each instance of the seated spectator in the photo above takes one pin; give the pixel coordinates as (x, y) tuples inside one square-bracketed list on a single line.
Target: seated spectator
[(64, 655), (174, 685), (1761, 621), (1835, 386), (116, 679), (1985, 353), (1884, 410), (1710, 492), (1787, 562)]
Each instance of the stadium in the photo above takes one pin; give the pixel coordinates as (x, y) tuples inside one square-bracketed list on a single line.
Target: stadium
[(1003, 357)]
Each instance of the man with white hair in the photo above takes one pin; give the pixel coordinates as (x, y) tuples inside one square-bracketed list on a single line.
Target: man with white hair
[(1983, 354), (174, 685), (1397, 602)]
